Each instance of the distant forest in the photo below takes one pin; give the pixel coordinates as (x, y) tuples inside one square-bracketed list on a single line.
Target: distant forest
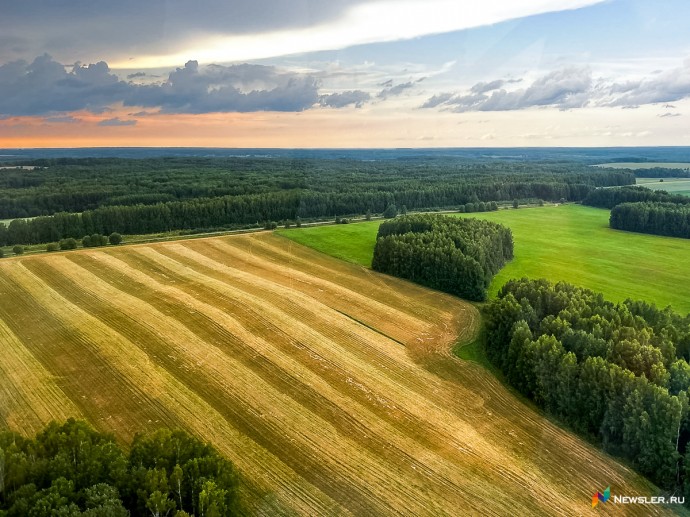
[(77, 197)]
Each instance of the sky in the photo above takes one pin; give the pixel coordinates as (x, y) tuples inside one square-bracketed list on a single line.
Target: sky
[(344, 73)]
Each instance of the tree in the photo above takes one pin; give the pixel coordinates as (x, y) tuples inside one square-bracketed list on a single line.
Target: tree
[(52, 246), (68, 244), (390, 212), (2, 253), (515, 203), (18, 250), (212, 501), (367, 216), (115, 238)]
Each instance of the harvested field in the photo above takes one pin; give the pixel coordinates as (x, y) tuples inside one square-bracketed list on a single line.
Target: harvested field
[(331, 387)]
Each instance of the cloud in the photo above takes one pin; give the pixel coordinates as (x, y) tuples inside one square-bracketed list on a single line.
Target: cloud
[(137, 74), (117, 122), (393, 91), (665, 115), (46, 87), (235, 88), (569, 88), (166, 33), (343, 99), (486, 87), (668, 86), (61, 119), (437, 99)]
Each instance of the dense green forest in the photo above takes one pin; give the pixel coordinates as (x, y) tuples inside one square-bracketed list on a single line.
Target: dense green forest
[(77, 197), (660, 172), (610, 197), (71, 470), (670, 219), (458, 256), (617, 373), (75, 185)]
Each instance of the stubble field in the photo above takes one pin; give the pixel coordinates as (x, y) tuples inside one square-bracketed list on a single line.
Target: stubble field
[(331, 387)]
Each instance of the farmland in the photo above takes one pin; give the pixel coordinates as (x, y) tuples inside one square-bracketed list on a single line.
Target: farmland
[(570, 242), (670, 185), (330, 387)]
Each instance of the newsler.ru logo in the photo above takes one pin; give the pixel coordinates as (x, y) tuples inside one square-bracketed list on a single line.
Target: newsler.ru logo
[(626, 499)]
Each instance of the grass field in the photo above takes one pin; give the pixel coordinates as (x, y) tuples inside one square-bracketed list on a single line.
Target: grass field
[(672, 185), (331, 387), (567, 242)]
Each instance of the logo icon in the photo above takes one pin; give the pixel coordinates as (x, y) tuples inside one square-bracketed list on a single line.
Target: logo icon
[(601, 497)]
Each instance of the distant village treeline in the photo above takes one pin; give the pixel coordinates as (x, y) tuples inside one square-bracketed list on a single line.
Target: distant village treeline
[(73, 198)]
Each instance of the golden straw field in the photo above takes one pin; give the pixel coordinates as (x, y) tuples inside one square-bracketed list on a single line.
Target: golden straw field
[(330, 387)]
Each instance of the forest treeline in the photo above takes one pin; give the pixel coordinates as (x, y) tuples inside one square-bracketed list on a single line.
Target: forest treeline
[(670, 219), (639, 209), (455, 255), (617, 373), (71, 470), (80, 197), (661, 172), (76, 185), (610, 197)]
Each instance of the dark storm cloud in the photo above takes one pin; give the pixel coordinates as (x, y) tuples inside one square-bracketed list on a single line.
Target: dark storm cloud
[(84, 29), (343, 99), (45, 87), (136, 75), (237, 88)]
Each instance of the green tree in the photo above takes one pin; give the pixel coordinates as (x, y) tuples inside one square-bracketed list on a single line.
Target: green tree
[(390, 212), (18, 250), (68, 244), (212, 501), (103, 500), (115, 238)]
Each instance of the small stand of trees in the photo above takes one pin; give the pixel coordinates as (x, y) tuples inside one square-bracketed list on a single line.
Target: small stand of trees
[(669, 219), (610, 197), (454, 255), (72, 470), (617, 373)]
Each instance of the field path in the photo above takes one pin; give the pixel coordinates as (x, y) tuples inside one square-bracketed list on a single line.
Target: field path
[(331, 387)]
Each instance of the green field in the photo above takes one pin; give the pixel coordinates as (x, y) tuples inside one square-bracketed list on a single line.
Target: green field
[(645, 165), (671, 185), (567, 242)]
